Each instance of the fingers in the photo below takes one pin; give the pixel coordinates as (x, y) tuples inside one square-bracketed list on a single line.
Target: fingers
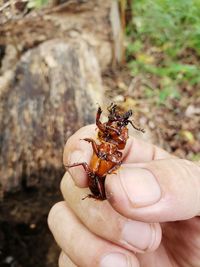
[(64, 261), (137, 151), (84, 248), (102, 220), (78, 150), (156, 191)]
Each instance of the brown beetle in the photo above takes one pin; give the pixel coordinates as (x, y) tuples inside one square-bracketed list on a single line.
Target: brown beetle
[(107, 156)]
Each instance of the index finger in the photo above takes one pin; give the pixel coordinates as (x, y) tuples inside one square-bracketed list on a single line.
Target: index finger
[(77, 150)]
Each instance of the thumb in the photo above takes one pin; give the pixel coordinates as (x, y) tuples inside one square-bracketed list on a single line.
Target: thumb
[(157, 191)]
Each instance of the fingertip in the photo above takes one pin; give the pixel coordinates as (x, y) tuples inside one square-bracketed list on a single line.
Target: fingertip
[(141, 237), (156, 237), (74, 142), (78, 173), (134, 187), (132, 192), (78, 150), (138, 151), (119, 260), (159, 191)]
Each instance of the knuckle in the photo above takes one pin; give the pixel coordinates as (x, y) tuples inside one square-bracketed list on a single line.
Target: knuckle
[(60, 260), (54, 212), (156, 233), (62, 185), (69, 140), (64, 261), (63, 181)]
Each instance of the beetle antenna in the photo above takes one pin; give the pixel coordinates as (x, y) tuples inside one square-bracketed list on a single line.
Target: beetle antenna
[(136, 127)]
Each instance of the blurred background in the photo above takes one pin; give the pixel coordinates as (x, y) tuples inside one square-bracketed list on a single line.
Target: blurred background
[(59, 60)]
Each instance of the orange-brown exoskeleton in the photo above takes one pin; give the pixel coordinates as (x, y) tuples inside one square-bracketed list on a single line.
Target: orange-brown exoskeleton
[(107, 157)]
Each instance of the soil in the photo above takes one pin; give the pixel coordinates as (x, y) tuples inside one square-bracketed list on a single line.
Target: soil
[(25, 240)]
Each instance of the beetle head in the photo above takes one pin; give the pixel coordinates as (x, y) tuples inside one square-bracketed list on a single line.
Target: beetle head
[(116, 115)]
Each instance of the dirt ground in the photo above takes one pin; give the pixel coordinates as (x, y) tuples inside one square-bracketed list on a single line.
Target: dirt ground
[(25, 240), (173, 125)]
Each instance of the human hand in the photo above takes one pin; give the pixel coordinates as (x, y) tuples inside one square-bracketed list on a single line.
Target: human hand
[(150, 218)]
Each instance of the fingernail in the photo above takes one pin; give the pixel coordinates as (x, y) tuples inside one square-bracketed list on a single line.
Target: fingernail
[(138, 235), (115, 259), (140, 186)]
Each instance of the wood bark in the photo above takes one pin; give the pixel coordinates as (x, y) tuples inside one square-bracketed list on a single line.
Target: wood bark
[(50, 84), (50, 81), (52, 93)]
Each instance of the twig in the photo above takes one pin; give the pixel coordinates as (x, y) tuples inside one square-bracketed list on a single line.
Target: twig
[(133, 83), (7, 4)]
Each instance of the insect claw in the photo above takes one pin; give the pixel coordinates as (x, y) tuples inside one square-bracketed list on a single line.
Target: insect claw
[(85, 197), (92, 196)]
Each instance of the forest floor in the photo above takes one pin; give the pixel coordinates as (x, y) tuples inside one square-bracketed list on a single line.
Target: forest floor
[(172, 125)]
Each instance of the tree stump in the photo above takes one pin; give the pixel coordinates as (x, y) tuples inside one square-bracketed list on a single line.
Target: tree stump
[(53, 92)]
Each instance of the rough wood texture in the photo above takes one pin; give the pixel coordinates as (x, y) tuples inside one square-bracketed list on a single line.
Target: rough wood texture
[(48, 89), (53, 92)]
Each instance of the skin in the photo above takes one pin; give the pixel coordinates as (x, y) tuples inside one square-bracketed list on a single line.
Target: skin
[(150, 217)]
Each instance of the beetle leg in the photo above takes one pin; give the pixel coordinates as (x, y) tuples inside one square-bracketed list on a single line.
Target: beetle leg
[(114, 168), (115, 157), (100, 197), (113, 129), (100, 185), (111, 107), (94, 145), (99, 111), (99, 124), (100, 193), (136, 127), (88, 196), (84, 164)]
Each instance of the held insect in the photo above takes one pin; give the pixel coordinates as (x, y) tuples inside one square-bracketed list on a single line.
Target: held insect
[(107, 157)]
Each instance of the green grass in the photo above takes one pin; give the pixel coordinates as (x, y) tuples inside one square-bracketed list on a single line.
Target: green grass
[(164, 42), (37, 4)]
